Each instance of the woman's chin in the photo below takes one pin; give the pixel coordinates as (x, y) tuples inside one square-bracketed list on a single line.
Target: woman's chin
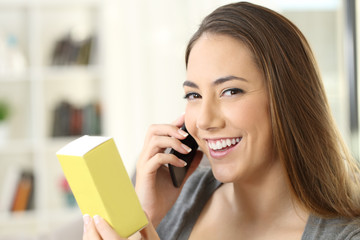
[(224, 174)]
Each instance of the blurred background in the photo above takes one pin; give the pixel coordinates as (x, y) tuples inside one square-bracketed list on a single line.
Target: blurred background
[(113, 67)]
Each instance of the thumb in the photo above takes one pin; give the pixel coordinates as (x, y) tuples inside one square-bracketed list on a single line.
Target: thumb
[(105, 230)]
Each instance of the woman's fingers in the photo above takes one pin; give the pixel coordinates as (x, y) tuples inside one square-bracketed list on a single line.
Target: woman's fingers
[(105, 230), (98, 229), (161, 137), (161, 142), (166, 130), (163, 158), (90, 232)]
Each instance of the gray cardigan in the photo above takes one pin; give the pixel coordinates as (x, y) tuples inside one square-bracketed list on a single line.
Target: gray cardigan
[(178, 223)]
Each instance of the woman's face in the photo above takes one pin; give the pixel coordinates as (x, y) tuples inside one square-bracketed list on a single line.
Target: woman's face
[(228, 108)]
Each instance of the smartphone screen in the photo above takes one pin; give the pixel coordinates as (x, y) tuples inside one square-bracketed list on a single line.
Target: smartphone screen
[(178, 173)]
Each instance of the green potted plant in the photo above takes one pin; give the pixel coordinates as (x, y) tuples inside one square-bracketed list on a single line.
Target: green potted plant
[(4, 111), (4, 115)]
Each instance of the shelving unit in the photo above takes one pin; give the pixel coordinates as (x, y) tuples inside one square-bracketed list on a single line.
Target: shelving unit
[(33, 95)]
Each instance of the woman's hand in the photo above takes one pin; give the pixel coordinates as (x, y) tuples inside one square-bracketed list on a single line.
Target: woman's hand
[(153, 182), (98, 229)]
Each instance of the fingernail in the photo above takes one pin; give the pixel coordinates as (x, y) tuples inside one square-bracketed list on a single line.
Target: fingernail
[(185, 163), (86, 219), (186, 148), (183, 133), (96, 219)]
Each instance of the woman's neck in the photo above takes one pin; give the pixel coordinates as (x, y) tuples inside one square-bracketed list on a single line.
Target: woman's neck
[(252, 209), (264, 199)]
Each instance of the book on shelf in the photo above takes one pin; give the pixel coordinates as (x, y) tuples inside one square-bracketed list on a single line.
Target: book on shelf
[(61, 124), (24, 192), (70, 120), (68, 51), (17, 191), (100, 183)]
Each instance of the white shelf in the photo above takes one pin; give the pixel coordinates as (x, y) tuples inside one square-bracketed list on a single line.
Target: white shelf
[(33, 95), (28, 217), (14, 77), (20, 146), (36, 225)]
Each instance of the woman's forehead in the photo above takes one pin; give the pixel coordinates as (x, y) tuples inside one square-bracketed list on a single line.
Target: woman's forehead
[(222, 55)]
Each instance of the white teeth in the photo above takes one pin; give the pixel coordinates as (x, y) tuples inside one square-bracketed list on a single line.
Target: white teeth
[(223, 143)]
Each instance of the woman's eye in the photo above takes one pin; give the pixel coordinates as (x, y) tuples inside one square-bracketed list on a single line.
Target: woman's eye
[(192, 96), (231, 92)]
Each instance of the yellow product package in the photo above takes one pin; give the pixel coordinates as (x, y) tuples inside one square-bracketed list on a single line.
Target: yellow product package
[(100, 183)]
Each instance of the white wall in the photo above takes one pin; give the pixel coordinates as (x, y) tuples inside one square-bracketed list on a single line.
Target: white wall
[(145, 45)]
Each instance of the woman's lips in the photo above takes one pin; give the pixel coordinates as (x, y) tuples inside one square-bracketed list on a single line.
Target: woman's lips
[(219, 148), (220, 144)]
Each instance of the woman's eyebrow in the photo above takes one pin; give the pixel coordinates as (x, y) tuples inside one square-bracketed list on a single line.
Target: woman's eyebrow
[(228, 78), (216, 82), (190, 84)]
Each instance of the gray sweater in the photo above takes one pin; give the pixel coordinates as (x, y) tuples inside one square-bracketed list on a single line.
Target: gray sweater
[(178, 223)]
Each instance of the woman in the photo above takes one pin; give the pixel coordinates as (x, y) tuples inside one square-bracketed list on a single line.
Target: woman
[(258, 110)]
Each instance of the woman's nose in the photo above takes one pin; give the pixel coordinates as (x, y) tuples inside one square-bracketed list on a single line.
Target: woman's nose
[(209, 116)]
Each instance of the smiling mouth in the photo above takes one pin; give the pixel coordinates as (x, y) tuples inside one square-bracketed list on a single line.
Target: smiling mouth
[(223, 144)]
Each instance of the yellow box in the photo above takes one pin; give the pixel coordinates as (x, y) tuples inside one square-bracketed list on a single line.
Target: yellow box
[(100, 183)]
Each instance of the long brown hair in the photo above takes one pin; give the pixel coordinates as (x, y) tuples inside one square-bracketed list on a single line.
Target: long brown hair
[(322, 175)]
